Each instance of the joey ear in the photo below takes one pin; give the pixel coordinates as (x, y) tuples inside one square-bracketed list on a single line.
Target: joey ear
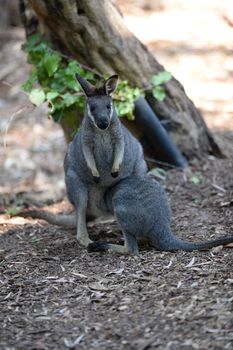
[(110, 84), (87, 87)]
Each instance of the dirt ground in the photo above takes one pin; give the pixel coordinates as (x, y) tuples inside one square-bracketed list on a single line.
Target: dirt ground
[(55, 295)]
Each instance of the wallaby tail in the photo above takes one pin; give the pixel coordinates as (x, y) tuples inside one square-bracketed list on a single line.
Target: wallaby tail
[(178, 244), (68, 221)]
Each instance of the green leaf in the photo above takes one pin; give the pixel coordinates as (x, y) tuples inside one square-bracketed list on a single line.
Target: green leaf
[(36, 55), (196, 180), (159, 93), (68, 99), (32, 41), (73, 68), (161, 78), (57, 84), (130, 116), (89, 75), (137, 93), (72, 83), (124, 99), (27, 86), (52, 95), (51, 63), (37, 97), (124, 108), (12, 211)]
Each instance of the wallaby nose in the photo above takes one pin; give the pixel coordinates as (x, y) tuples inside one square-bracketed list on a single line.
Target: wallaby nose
[(103, 124)]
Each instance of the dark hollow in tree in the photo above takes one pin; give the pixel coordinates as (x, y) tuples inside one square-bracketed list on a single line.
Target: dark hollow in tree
[(94, 32), (163, 147)]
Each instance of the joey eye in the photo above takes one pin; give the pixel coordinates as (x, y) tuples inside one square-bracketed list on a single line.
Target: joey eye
[(108, 107)]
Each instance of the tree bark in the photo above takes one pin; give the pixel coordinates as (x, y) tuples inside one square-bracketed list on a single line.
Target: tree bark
[(9, 14), (94, 32)]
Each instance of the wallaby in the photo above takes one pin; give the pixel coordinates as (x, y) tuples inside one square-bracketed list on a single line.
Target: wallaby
[(102, 153), (141, 209)]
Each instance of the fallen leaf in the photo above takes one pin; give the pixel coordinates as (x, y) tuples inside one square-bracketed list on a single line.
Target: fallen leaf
[(115, 272), (217, 249), (169, 265), (229, 280), (72, 344), (191, 263), (98, 286), (122, 307), (79, 274), (230, 245)]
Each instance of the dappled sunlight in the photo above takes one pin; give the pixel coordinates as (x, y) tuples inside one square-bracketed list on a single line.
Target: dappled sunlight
[(193, 40)]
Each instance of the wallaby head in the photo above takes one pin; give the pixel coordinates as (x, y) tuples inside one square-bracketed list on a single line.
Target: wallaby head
[(99, 101)]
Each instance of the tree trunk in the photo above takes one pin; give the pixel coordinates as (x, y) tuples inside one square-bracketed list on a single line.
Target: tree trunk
[(93, 31), (9, 14)]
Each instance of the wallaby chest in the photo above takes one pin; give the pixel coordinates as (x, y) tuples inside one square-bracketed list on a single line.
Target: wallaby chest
[(103, 149)]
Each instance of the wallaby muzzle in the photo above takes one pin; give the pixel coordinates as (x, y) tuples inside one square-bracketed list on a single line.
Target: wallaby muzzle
[(103, 124)]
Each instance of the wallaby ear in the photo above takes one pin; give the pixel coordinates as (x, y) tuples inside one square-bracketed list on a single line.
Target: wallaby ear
[(110, 84), (87, 87)]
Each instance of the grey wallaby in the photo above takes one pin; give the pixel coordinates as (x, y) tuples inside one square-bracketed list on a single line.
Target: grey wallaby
[(105, 174), (141, 209), (102, 153)]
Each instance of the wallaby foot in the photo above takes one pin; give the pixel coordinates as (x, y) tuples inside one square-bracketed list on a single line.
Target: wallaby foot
[(84, 240), (82, 234), (104, 246), (130, 246)]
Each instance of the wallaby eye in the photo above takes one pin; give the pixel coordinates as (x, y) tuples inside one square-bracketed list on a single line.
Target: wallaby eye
[(108, 107), (92, 108)]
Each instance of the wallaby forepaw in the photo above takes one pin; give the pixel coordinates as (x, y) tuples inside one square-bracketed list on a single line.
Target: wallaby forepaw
[(97, 247), (96, 179), (115, 173)]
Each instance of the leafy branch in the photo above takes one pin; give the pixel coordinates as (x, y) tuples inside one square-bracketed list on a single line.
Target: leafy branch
[(52, 80), (157, 82)]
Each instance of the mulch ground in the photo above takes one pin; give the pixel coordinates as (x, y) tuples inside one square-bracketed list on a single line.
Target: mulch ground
[(55, 295)]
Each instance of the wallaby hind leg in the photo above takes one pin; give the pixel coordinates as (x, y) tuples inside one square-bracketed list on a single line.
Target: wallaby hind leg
[(78, 195), (82, 234), (130, 246)]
